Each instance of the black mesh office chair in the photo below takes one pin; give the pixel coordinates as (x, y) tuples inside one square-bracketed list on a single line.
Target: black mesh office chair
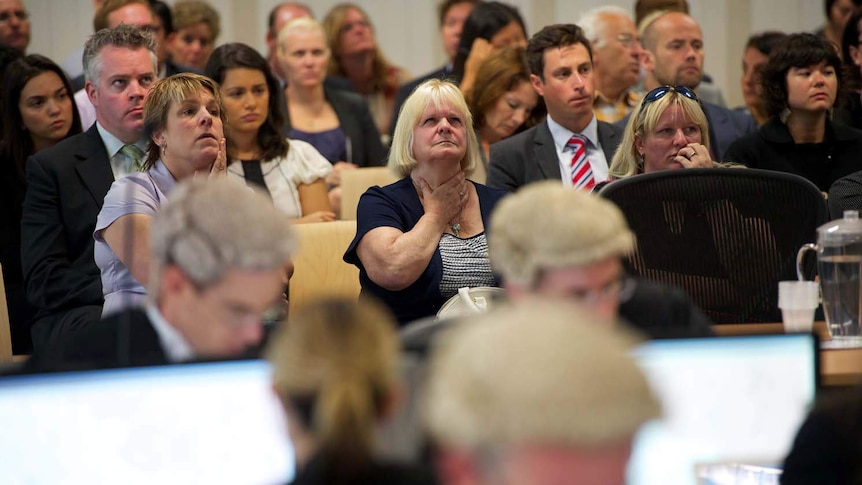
[(725, 236)]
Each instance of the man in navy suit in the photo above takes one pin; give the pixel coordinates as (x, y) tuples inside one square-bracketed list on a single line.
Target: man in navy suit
[(214, 276), (673, 56), (561, 67), (68, 182)]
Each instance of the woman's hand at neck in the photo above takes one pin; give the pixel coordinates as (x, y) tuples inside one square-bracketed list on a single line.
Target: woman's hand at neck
[(435, 174)]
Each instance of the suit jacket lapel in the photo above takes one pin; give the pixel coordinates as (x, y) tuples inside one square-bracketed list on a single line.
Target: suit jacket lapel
[(94, 167), (545, 153), (608, 139)]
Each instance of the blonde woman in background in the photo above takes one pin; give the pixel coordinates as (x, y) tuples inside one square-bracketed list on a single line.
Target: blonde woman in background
[(357, 57)]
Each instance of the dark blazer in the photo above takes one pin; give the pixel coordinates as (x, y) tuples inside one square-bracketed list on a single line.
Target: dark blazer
[(67, 184), (850, 112), (318, 471), (124, 339), (530, 156), (12, 188), (405, 90), (726, 126), (358, 125), (772, 148)]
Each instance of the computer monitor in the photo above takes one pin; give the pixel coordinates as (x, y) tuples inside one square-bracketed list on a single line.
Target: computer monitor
[(192, 423), (725, 400)]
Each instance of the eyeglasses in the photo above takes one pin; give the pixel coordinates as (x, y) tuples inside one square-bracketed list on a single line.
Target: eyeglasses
[(21, 15), (661, 91), (627, 40)]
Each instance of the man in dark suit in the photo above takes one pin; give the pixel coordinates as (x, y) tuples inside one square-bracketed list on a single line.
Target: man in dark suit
[(152, 16), (68, 182), (215, 275), (673, 56), (561, 69)]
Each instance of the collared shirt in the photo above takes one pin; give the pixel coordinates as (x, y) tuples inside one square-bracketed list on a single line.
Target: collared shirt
[(121, 164), (611, 111), (176, 348), (595, 155)]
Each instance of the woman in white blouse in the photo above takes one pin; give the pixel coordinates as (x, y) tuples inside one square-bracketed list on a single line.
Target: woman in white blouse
[(291, 171)]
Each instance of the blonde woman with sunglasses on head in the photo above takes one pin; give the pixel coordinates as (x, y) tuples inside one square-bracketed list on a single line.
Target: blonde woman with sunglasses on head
[(667, 130)]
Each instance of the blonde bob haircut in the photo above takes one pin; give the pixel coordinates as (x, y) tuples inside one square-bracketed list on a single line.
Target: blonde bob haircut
[(169, 92), (547, 226), (437, 93), (643, 120), (336, 365)]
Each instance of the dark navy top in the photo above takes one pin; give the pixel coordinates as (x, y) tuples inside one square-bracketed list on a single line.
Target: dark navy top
[(332, 144), (398, 205)]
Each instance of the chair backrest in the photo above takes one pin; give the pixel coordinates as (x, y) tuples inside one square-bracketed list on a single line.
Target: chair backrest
[(354, 183), (725, 236), (318, 268), (5, 329)]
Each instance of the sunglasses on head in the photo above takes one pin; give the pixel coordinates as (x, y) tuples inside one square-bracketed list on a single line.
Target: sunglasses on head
[(661, 91)]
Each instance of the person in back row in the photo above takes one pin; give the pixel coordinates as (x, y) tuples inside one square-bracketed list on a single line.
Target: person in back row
[(616, 58), (67, 183), (213, 275), (571, 145), (801, 82), (673, 56)]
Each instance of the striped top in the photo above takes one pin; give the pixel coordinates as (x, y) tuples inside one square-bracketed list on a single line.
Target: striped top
[(465, 263)]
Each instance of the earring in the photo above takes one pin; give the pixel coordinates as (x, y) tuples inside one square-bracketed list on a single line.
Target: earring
[(785, 113)]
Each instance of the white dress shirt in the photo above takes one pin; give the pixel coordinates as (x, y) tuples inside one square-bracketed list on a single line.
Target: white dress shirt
[(121, 164), (176, 348)]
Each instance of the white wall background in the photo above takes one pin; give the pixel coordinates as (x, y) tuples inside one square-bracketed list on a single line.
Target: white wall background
[(407, 29)]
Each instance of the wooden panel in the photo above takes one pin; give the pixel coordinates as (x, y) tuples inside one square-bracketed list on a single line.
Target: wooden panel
[(319, 269)]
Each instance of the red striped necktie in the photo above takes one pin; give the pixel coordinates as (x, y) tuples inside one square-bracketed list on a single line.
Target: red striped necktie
[(579, 169)]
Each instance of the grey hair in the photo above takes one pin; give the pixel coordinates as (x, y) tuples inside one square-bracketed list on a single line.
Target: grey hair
[(484, 374), (593, 25), (128, 36), (207, 228), (546, 226)]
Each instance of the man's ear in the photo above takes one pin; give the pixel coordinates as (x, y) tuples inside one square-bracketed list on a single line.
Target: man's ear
[(90, 89), (538, 84), (648, 60), (173, 280)]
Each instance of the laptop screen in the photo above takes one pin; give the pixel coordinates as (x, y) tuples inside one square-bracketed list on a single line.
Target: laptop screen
[(194, 423), (725, 400)]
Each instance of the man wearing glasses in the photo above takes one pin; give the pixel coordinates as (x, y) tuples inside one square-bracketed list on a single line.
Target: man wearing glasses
[(14, 25), (560, 243), (214, 276), (570, 145), (616, 61)]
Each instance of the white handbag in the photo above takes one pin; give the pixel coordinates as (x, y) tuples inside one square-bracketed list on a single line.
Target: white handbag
[(469, 301)]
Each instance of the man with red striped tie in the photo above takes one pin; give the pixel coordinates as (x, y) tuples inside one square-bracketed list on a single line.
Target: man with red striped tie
[(570, 144)]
